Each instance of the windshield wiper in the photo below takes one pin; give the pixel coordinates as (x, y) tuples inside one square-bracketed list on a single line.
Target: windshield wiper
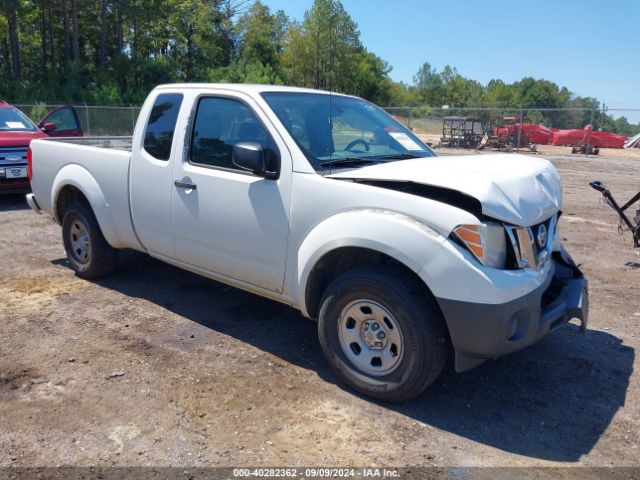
[(399, 156), (345, 162)]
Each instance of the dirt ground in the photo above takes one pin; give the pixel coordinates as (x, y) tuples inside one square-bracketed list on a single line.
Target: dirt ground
[(157, 366)]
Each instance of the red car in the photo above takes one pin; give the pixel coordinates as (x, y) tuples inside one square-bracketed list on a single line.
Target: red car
[(17, 131)]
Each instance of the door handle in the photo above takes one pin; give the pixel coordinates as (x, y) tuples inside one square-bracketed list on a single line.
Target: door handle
[(187, 186)]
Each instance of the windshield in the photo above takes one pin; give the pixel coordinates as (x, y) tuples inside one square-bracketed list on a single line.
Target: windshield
[(335, 131), (13, 120)]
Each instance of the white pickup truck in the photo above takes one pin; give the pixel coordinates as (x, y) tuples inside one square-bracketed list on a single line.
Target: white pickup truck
[(326, 203)]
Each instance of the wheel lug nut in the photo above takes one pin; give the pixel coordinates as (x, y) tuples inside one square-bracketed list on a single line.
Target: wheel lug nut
[(381, 335)]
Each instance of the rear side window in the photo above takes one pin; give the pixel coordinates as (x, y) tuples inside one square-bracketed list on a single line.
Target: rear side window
[(161, 125)]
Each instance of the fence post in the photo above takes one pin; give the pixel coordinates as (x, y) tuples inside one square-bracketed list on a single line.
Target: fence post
[(86, 114), (519, 131), (409, 117), (133, 120), (586, 150)]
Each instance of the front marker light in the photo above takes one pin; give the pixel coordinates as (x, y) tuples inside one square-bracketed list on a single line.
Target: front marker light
[(470, 236), (486, 242)]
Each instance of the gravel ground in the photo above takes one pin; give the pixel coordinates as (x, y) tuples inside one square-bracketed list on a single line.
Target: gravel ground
[(157, 366)]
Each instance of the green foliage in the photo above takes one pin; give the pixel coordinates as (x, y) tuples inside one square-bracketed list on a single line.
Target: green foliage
[(325, 51), (115, 51), (260, 35)]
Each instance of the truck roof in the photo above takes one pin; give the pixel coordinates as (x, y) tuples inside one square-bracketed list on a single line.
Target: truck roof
[(249, 88)]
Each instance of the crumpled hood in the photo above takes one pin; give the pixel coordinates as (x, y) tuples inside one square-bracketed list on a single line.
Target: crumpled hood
[(517, 189)]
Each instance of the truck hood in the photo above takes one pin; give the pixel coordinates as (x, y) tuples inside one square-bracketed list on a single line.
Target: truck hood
[(18, 139), (517, 189)]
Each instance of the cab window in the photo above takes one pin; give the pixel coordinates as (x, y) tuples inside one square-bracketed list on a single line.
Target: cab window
[(161, 126), (219, 125)]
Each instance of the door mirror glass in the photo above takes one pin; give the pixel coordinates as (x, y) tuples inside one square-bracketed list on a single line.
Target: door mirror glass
[(249, 156)]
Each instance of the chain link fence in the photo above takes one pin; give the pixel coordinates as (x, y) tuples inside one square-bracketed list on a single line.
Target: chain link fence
[(521, 127), (433, 124), (429, 120), (95, 120)]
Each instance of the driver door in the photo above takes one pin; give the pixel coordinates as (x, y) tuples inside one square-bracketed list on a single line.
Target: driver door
[(66, 121), (225, 219)]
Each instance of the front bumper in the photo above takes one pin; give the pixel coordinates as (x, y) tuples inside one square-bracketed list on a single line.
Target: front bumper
[(480, 331)]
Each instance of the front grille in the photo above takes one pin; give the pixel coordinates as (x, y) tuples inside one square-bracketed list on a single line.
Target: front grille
[(525, 242), (547, 225), (4, 151), (13, 156)]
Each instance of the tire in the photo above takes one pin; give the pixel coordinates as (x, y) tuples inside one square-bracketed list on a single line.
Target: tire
[(87, 250), (404, 312)]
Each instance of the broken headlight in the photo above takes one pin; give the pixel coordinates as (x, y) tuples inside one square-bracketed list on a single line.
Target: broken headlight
[(486, 241)]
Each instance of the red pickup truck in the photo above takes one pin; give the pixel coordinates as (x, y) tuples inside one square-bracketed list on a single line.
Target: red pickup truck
[(17, 131)]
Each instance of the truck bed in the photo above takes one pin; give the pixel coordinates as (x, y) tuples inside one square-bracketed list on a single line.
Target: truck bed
[(98, 165)]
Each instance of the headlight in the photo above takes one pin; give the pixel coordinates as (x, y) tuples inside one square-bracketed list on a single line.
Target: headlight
[(485, 241)]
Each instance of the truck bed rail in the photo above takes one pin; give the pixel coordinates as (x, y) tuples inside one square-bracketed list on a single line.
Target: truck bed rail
[(115, 142)]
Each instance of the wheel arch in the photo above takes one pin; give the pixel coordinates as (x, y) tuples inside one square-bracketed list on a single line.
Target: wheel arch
[(343, 259), (360, 239), (68, 195), (75, 183)]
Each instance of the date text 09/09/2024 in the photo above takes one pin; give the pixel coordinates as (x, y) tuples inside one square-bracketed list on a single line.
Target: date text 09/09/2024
[(309, 473)]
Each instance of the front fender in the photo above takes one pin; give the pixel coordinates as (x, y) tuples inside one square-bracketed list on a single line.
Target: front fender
[(79, 177), (399, 236)]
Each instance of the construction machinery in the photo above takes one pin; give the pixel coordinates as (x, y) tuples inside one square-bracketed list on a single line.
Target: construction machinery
[(505, 133), (461, 132), (585, 149), (633, 225)]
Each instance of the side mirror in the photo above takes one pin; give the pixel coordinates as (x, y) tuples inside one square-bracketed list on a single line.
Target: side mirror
[(48, 127), (250, 156)]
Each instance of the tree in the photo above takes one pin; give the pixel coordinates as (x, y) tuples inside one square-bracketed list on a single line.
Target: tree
[(429, 85), (102, 49), (260, 36), (75, 32), (115, 51), (10, 10), (324, 50)]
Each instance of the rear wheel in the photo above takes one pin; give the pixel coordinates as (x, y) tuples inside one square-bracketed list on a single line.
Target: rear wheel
[(89, 253), (381, 333)]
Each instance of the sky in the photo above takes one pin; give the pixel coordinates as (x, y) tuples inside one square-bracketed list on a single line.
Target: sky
[(591, 47)]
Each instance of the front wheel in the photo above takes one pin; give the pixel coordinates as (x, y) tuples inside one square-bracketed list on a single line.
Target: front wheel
[(89, 253), (381, 333)]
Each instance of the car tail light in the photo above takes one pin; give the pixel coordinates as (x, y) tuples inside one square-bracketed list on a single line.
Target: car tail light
[(30, 164)]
